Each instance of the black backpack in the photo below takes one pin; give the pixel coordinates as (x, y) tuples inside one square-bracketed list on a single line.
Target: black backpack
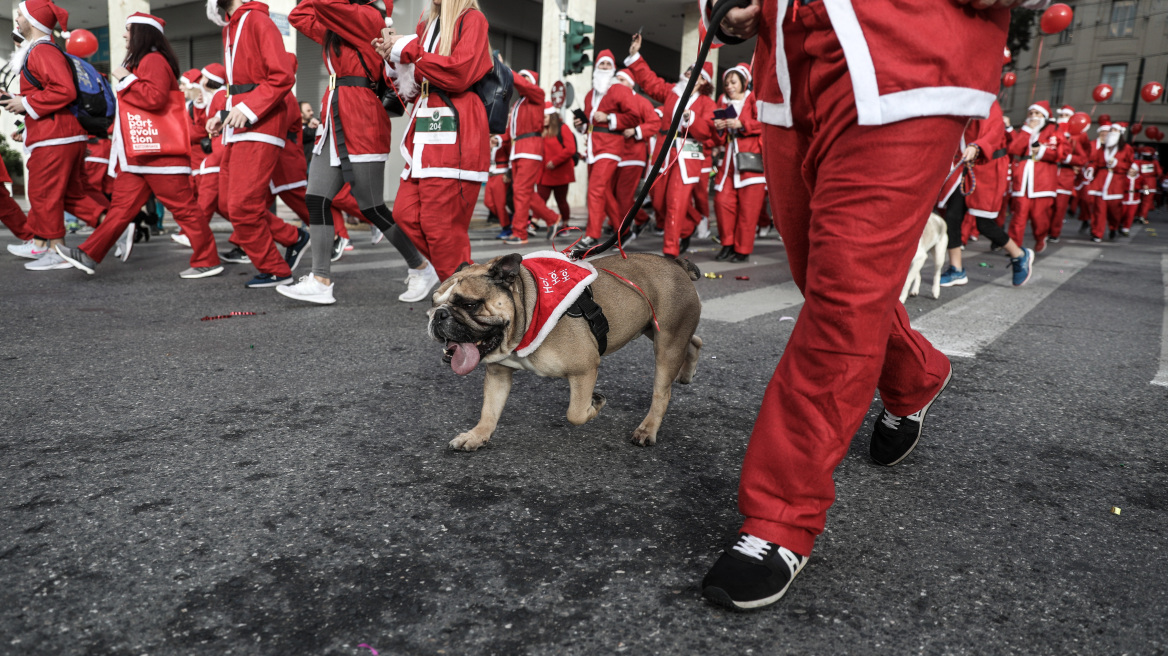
[(494, 89)]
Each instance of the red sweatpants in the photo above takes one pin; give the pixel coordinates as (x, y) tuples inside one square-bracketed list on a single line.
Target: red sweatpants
[(1147, 203), (1086, 205), (601, 196), (525, 175), (244, 190), (1036, 211), (208, 195), (344, 203), (172, 190), (679, 224), (1059, 214), (435, 214), (12, 216), (850, 230), (1128, 216), (495, 198), (738, 211), (627, 178), (56, 183), (1100, 215)]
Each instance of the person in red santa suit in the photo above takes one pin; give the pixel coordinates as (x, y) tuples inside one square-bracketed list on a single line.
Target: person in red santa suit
[(525, 131), (560, 154), (1131, 199), (447, 147), (856, 143), (1110, 166), (695, 139), (11, 215), (499, 183), (1151, 173), (740, 194), (635, 157), (1085, 183), (611, 110), (1067, 169), (53, 138), (1039, 147), (252, 126), (188, 83), (148, 82)]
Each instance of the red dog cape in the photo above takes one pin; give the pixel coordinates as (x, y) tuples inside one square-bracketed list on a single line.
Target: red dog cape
[(560, 281)]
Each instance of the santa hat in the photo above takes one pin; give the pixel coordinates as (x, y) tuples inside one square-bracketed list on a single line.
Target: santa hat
[(1066, 110), (741, 69), (1119, 126), (141, 18), (43, 15), (215, 72), (708, 72), (190, 78), (624, 73), (548, 107), (214, 15), (1041, 106), (605, 54), (532, 76)]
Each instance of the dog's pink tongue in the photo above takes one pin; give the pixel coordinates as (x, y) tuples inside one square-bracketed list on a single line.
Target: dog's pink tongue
[(466, 358)]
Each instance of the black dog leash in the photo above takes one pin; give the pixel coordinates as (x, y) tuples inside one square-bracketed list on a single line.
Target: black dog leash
[(722, 8)]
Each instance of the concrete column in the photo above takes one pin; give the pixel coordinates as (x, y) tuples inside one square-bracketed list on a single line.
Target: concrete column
[(279, 10), (119, 11), (691, 41)]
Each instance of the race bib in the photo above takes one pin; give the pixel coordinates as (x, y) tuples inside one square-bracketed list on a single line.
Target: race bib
[(435, 125), (691, 149)]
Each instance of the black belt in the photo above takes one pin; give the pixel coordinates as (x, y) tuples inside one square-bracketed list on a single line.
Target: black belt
[(597, 322), (291, 136), (241, 88), (354, 81), (338, 130), (528, 135), (601, 129), (1001, 152)]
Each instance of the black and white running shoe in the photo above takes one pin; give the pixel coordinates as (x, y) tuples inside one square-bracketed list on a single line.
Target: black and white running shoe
[(751, 574), (893, 437)]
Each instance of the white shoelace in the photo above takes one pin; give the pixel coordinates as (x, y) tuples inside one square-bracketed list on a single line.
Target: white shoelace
[(890, 420), (751, 546)]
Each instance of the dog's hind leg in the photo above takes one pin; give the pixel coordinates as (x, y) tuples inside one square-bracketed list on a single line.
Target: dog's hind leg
[(584, 405), (693, 352), (672, 352), (939, 252), (496, 389)]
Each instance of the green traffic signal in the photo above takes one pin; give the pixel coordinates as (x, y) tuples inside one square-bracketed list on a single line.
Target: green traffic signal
[(576, 59)]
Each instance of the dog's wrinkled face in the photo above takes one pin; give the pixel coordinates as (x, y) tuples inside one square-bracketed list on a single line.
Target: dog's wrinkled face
[(474, 313)]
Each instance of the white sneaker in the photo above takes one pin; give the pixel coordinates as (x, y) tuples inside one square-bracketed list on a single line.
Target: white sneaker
[(764, 231), (181, 238), (309, 289), (375, 235), (126, 243), (49, 261), (420, 282), (703, 231), (28, 249)]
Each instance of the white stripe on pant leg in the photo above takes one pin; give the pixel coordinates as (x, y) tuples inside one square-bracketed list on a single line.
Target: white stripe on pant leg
[(1162, 374), (965, 326)]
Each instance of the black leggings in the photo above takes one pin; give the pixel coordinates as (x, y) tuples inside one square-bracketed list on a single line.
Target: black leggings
[(955, 216), (561, 192)]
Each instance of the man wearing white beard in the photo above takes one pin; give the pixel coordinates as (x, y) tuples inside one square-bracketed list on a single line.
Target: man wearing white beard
[(610, 110)]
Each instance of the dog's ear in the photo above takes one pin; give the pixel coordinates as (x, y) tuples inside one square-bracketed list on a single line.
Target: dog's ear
[(505, 269), (462, 266)]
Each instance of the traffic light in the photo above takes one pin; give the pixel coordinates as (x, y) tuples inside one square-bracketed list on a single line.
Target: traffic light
[(576, 60)]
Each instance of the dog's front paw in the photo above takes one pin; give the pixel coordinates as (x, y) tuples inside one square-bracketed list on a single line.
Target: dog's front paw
[(645, 436), (468, 441), (598, 402)]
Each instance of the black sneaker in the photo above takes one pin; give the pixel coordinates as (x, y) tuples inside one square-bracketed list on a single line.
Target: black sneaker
[(683, 246), (751, 574), (893, 438), (1111, 235), (235, 255), (296, 251), (1084, 226), (267, 280)]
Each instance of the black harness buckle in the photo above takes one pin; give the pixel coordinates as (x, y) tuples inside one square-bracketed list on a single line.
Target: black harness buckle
[(594, 315)]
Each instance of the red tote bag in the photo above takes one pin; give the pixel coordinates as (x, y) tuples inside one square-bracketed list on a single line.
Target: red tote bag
[(147, 133)]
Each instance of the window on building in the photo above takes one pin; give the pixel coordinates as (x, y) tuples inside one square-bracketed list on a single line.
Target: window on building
[(1113, 76), (1123, 18), (1067, 35), (1058, 83)]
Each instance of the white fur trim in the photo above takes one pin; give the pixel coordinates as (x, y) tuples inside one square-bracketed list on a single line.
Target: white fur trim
[(1039, 108), (282, 188), (396, 53), (566, 303), (213, 13), (213, 78), (247, 112), (142, 20)]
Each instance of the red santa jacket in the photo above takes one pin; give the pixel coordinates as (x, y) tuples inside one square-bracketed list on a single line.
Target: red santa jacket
[(96, 168), (1036, 173), (1150, 172), (1110, 167), (905, 59), (989, 135), (291, 168), (1132, 187), (446, 148), (558, 152), (150, 86), (1086, 147), (368, 133), (216, 104), (604, 140), (1067, 165), (501, 156), (636, 152), (699, 127), (249, 41), (991, 171), (48, 121), (525, 126), (744, 140), (198, 130)]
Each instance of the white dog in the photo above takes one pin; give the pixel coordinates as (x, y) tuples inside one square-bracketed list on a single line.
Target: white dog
[(934, 239)]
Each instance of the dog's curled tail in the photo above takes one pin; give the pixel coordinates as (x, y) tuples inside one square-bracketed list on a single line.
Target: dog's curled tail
[(691, 269)]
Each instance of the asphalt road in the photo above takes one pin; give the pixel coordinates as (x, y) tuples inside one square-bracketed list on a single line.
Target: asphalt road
[(281, 483)]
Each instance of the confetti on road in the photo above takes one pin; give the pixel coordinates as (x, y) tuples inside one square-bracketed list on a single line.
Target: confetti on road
[(1115, 510), (742, 277)]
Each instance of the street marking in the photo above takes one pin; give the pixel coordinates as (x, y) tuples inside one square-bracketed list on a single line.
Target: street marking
[(756, 302), (1162, 375), (966, 325)]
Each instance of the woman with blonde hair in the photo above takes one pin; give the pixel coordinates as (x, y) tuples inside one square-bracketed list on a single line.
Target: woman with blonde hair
[(447, 146)]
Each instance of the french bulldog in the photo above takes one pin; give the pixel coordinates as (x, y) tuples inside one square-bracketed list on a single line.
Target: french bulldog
[(482, 312)]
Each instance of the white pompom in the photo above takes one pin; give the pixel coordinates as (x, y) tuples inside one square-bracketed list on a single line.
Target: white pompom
[(65, 34), (389, 21)]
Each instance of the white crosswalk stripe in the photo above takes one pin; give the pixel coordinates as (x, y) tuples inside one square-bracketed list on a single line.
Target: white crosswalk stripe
[(1162, 373), (756, 302)]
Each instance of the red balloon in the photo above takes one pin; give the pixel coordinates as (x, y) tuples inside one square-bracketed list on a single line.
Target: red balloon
[(81, 43), (1056, 19), (1152, 91), (1007, 57), (1154, 133), (1079, 123), (1137, 128), (1102, 93), (1104, 118), (1009, 79)]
